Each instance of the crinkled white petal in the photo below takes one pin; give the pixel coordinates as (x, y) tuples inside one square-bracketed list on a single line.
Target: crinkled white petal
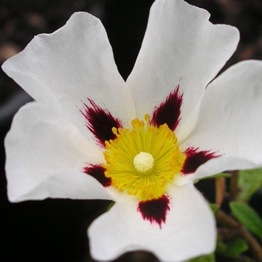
[(180, 47), (189, 230), (230, 120), (71, 65), (45, 156)]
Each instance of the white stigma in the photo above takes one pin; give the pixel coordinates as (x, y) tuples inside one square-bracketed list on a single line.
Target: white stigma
[(143, 161)]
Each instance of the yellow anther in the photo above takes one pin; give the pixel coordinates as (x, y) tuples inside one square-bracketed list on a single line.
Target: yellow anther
[(143, 160)]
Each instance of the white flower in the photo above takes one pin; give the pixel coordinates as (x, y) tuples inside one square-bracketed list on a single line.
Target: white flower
[(141, 143)]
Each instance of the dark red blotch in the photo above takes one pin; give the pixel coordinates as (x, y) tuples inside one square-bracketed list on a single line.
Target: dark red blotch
[(168, 112), (98, 172), (155, 210), (100, 122), (196, 158)]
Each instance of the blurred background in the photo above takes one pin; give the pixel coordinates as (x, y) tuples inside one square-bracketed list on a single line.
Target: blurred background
[(55, 230)]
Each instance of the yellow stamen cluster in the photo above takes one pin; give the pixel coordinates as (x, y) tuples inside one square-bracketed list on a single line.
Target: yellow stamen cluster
[(143, 160)]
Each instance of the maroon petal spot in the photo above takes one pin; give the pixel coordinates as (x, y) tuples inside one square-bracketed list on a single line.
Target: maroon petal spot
[(169, 111), (100, 122), (195, 158), (98, 172), (154, 210)]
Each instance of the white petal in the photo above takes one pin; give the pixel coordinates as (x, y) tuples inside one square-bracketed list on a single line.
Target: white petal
[(45, 156), (230, 121), (180, 47), (71, 65), (189, 230)]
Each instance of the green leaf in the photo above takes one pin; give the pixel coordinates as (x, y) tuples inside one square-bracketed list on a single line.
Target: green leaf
[(232, 248), (220, 175), (249, 182), (207, 258), (248, 217), (214, 207), (110, 206)]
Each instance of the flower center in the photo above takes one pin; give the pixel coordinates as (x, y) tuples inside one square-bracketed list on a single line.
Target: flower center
[(143, 160)]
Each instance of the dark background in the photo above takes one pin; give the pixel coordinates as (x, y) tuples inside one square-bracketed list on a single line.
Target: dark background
[(55, 230)]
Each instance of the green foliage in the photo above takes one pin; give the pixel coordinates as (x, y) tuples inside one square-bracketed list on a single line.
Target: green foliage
[(248, 217), (249, 182), (220, 175), (232, 248), (214, 207), (231, 243), (207, 258), (110, 205)]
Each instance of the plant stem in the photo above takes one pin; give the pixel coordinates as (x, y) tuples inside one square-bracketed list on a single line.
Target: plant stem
[(253, 244), (234, 190), (220, 184)]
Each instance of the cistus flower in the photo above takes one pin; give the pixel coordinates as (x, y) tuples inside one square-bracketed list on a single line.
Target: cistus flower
[(141, 143)]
